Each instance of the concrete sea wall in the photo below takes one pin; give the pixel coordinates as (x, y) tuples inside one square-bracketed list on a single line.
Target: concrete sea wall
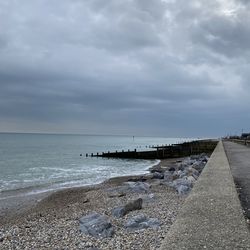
[(211, 217)]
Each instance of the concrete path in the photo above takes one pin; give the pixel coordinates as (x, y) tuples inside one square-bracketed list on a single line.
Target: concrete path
[(239, 160), (211, 217)]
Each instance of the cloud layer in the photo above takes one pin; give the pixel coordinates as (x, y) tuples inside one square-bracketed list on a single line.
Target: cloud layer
[(169, 68)]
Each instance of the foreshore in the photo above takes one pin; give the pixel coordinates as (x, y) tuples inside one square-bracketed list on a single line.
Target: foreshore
[(51, 220)]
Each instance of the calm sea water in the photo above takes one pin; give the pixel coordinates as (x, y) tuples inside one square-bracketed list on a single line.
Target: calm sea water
[(31, 163)]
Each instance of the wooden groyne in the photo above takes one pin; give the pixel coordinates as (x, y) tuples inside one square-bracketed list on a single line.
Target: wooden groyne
[(164, 152)]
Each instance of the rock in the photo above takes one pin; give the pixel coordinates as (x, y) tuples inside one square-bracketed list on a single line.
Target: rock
[(85, 200), (198, 166), (175, 175), (168, 176), (204, 160), (191, 179), (140, 221), (159, 170), (138, 187), (134, 205), (118, 211), (158, 175), (96, 225), (203, 155), (193, 172), (181, 166), (182, 185), (172, 169), (179, 172), (181, 189), (182, 173), (131, 206), (182, 181)]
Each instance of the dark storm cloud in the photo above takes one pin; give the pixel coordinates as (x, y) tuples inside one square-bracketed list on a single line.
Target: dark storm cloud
[(171, 68)]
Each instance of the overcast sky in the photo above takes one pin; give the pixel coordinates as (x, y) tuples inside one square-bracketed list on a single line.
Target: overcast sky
[(137, 67)]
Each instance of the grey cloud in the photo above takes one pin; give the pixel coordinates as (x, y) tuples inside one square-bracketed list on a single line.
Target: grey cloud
[(225, 30), (228, 37), (154, 67)]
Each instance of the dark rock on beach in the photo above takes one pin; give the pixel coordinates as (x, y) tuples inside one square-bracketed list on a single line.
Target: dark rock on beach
[(172, 169), (140, 221), (158, 175), (168, 176), (96, 225), (131, 206)]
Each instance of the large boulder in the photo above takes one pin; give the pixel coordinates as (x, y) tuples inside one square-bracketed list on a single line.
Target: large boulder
[(193, 172), (96, 225), (168, 176), (198, 166), (158, 175), (140, 221), (131, 206), (182, 181), (118, 211), (171, 169), (182, 173), (191, 179), (183, 185), (182, 166), (182, 190)]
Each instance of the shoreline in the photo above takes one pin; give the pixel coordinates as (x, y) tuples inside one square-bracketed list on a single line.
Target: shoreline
[(12, 207), (54, 187), (53, 221)]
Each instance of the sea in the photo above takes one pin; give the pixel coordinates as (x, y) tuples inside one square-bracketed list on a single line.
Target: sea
[(37, 163)]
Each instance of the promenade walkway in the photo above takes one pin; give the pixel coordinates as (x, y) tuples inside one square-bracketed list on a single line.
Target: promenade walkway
[(239, 161), (211, 217)]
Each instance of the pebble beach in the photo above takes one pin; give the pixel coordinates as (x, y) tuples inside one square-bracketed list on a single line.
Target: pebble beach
[(53, 222)]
